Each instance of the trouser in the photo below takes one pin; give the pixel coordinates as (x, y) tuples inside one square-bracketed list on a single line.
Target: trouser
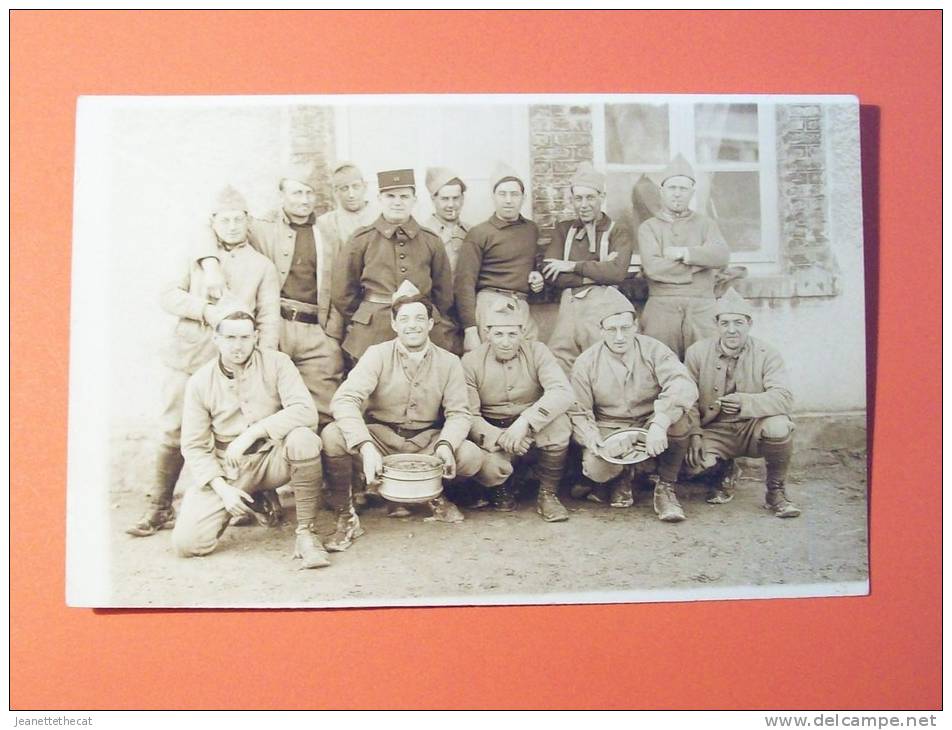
[(668, 462), (577, 326), (770, 438), (488, 298), (297, 459), (318, 358), (679, 322), (469, 457), (549, 464)]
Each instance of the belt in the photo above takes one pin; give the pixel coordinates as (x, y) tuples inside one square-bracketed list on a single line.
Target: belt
[(504, 422), (378, 298), (507, 292), (253, 449), (294, 314), (402, 431)]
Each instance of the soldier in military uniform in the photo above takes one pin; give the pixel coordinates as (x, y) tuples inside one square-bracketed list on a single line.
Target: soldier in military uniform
[(519, 396), (587, 255), (500, 260), (353, 210), (681, 252), (744, 406), (380, 257), (631, 381), (404, 395)]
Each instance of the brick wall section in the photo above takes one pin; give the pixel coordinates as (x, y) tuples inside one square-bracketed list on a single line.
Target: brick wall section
[(803, 200), (312, 142), (560, 138)]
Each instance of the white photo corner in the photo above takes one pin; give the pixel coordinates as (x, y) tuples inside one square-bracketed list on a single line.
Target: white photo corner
[(684, 363)]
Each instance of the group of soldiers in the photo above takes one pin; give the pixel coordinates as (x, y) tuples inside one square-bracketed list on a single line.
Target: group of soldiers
[(307, 348)]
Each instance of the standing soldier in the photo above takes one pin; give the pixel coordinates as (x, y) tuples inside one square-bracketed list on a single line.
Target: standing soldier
[(680, 253), (500, 260), (380, 257), (518, 396), (353, 211), (631, 381), (447, 192), (407, 396), (249, 281), (311, 328), (744, 406), (587, 255)]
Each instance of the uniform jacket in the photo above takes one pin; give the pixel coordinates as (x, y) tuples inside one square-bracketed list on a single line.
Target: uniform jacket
[(338, 225), (590, 269), (385, 387), (498, 254), (707, 251), (657, 385), (759, 376), (531, 384), (451, 235), (251, 282), (269, 392)]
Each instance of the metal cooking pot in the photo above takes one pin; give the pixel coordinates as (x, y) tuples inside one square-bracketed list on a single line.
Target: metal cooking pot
[(411, 478)]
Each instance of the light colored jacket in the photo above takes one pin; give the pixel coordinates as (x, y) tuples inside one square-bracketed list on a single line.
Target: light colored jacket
[(384, 387), (531, 384), (251, 281), (269, 392), (707, 251), (760, 378)]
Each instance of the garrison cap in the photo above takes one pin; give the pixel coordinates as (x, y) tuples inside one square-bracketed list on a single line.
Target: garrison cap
[(300, 172), (389, 179), (733, 303), (614, 303), (503, 172), (504, 314), (229, 199), (678, 166), (437, 177), (587, 176), (346, 165), (406, 289)]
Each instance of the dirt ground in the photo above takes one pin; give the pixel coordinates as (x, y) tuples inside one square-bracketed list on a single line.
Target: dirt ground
[(600, 554)]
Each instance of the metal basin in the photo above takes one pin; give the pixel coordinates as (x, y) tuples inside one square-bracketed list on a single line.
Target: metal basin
[(411, 478)]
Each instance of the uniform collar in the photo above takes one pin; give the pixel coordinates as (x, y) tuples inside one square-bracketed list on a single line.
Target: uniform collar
[(667, 215), (500, 223), (231, 247), (601, 224), (249, 364), (287, 219), (388, 230), (723, 353), (440, 226), (404, 352)]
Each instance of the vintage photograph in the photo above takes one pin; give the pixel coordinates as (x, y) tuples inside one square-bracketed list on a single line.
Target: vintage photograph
[(333, 351)]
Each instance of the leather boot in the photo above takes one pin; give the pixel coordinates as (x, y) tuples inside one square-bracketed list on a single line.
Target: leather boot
[(777, 501), (725, 480), (159, 514), (338, 474), (307, 547), (777, 453), (621, 491), (666, 504), (502, 497), (348, 529), (551, 464), (444, 511)]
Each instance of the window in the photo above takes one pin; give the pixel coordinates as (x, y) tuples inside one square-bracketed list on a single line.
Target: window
[(732, 149)]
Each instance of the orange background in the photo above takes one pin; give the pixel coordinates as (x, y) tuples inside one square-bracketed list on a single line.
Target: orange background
[(882, 651)]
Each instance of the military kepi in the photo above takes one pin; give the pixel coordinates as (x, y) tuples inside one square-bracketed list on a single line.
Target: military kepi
[(390, 179), (733, 303)]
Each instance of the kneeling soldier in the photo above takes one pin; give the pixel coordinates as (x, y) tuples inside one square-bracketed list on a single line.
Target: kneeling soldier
[(744, 406), (630, 380), (403, 396), (249, 425), (519, 396)]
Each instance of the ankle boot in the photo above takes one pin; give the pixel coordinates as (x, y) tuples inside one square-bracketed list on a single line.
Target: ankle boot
[(159, 514), (666, 504), (725, 480), (621, 491), (348, 529), (777, 501), (307, 546), (502, 497), (549, 469), (444, 511)]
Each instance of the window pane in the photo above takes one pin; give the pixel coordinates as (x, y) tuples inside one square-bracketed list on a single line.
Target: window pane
[(726, 132), (734, 202), (636, 134)]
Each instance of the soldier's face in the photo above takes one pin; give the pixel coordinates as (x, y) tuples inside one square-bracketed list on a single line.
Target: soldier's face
[(587, 203), (231, 226), (676, 193), (350, 191), (507, 199), (412, 324), (397, 204), (618, 332), (734, 330), (448, 202), (236, 340), (297, 198), (505, 341)]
